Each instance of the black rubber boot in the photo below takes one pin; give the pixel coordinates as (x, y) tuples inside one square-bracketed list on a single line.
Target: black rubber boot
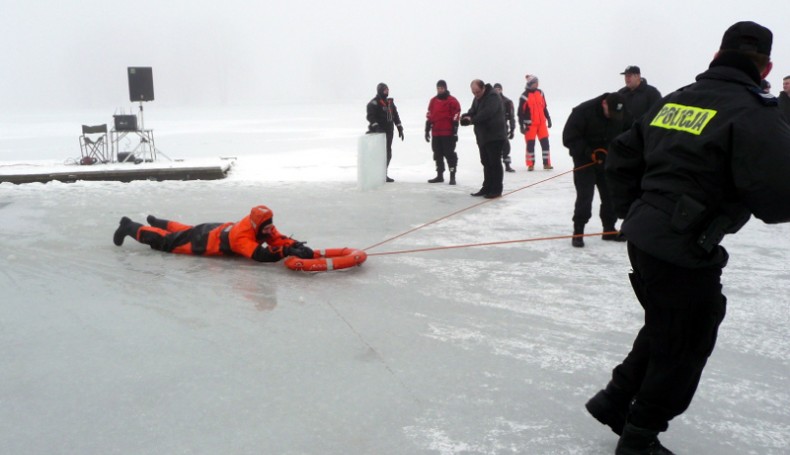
[(640, 441), (126, 227), (156, 222), (578, 242), (438, 179), (508, 168), (609, 409), (452, 176)]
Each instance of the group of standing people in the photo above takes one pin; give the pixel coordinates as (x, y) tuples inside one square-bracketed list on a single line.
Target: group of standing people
[(493, 116)]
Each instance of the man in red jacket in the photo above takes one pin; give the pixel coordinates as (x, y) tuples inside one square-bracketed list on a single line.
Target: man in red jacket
[(244, 238), (442, 119)]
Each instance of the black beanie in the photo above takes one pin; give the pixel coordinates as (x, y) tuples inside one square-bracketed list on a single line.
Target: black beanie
[(442, 83)]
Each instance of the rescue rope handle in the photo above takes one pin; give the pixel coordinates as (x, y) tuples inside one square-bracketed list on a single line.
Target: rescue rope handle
[(475, 206)]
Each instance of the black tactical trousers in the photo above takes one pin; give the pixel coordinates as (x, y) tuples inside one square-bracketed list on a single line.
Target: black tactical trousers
[(683, 310), (585, 181)]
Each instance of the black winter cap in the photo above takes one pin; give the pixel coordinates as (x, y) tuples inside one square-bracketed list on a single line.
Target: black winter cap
[(498, 85), (632, 69), (441, 83), (747, 36), (616, 103)]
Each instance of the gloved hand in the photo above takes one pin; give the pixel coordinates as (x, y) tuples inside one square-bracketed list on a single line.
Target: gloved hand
[(549, 120), (599, 155), (466, 120), (427, 136), (400, 132), (300, 250), (374, 128), (522, 128), (510, 134)]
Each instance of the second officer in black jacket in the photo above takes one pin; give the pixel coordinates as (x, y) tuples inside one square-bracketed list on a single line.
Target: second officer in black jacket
[(590, 128)]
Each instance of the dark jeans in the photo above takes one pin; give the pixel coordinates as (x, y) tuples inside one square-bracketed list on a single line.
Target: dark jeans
[(506, 152), (683, 310), (390, 135), (585, 181), (493, 172), (444, 149)]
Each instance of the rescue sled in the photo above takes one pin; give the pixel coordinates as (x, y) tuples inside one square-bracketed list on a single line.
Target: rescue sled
[(327, 260)]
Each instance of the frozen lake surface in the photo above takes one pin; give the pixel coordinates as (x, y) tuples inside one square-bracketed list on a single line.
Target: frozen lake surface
[(487, 350)]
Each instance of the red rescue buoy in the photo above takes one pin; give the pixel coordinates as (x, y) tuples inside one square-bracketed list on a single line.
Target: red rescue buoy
[(327, 260)]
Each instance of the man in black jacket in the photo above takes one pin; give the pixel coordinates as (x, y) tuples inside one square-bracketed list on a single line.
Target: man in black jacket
[(383, 118), (590, 128), (510, 125), (784, 99), (696, 167), (487, 114), (639, 96)]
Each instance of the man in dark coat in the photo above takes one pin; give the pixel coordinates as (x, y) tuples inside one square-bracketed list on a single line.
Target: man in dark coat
[(639, 96), (784, 99), (694, 168), (487, 114), (510, 124), (590, 128), (383, 118)]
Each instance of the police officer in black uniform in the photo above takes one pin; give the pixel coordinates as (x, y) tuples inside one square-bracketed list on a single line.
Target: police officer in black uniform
[(383, 117), (694, 168), (590, 128)]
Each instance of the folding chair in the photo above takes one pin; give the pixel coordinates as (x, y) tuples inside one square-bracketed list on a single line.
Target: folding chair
[(93, 144)]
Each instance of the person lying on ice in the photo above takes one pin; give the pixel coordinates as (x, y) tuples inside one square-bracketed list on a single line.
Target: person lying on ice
[(254, 237)]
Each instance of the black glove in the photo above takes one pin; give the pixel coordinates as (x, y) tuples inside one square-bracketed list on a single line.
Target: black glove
[(510, 134), (549, 120), (400, 132), (427, 131), (522, 128), (466, 120), (374, 128), (300, 250)]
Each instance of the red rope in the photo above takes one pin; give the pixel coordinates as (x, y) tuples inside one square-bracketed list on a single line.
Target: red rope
[(486, 201), (501, 242)]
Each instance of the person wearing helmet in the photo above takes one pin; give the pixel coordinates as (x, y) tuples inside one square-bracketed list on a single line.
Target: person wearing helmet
[(254, 237)]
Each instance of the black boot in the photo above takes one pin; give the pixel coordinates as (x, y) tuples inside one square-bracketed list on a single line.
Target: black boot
[(640, 441), (452, 176), (126, 227), (578, 242), (479, 193), (611, 409), (438, 179), (508, 168), (156, 222)]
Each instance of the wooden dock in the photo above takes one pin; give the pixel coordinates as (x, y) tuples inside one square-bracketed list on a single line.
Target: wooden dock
[(19, 173)]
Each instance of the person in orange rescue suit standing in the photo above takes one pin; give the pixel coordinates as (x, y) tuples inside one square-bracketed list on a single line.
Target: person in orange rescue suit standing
[(696, 167), (535, 121), (383, 118), (590, 128), (510, 120), (442, 123), (253, 237)]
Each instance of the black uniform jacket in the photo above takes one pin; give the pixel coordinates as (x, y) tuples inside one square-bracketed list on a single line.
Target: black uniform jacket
[(588, 129), (699, 164), (488, 116)]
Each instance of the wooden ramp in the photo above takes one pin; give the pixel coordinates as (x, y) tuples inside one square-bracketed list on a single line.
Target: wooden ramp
[(120, 172)]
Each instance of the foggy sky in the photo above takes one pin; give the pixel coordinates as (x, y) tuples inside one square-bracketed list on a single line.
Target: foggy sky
[(69, 54)]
